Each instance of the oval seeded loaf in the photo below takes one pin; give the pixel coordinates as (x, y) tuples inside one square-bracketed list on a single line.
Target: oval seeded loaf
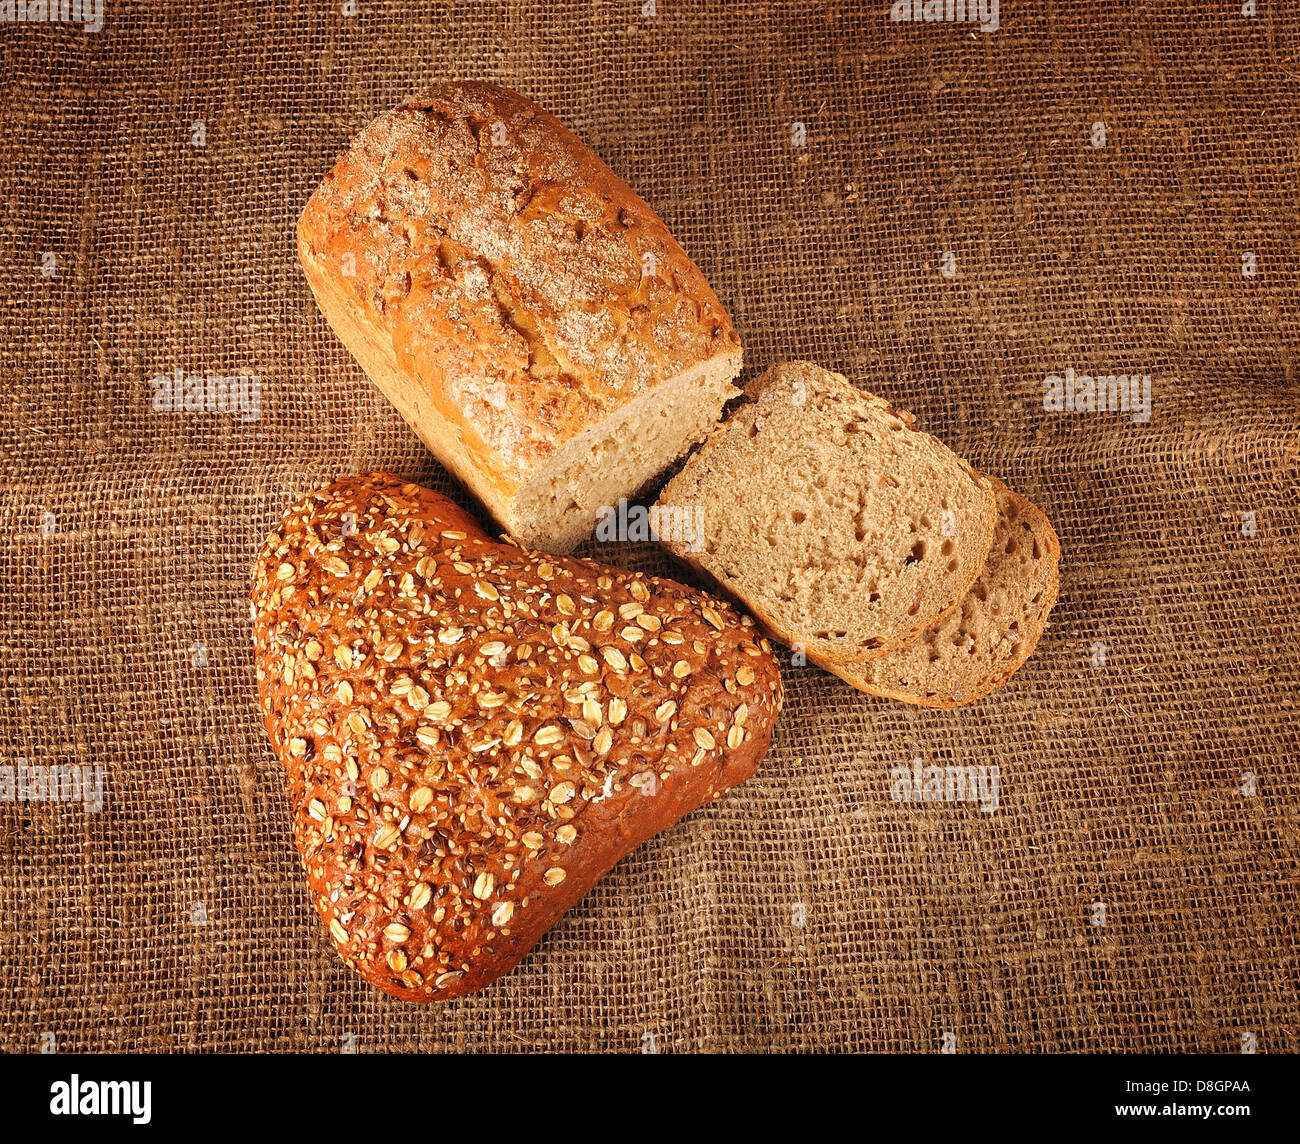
[(526, 312), (979, 645), (473, 733), (843, 529)]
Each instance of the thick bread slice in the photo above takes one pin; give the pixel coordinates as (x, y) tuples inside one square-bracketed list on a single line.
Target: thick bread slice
[(979, 645), (843, 529), (526, 312)]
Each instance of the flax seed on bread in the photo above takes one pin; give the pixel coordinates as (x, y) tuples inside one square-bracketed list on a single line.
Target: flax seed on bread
[(979, 645), (841, 527)]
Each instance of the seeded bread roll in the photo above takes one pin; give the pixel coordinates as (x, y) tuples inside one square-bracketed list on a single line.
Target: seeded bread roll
[(843, 529), (529, 316), (979, 645), (474, 733)]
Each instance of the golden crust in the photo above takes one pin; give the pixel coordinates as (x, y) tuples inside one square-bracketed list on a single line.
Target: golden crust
[(499, 282)]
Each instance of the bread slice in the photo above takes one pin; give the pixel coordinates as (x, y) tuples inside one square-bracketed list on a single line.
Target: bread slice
[(843, 529), (979, 645), (529, 315)]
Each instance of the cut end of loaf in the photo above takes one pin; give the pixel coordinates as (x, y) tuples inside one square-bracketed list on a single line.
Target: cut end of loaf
[(558, 508), (525, 311)]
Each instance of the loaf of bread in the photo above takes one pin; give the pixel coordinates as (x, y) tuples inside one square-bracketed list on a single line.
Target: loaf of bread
[(979, 645), (473, 732), (845, 531), (530, 316)]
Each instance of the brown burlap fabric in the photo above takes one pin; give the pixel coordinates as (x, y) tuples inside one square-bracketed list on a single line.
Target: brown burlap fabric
[(808, 909)]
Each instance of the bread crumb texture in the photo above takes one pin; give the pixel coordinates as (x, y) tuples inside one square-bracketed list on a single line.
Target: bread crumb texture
[(845, 530), (980, 644)]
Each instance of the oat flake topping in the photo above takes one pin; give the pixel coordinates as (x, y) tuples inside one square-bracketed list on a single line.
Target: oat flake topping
[(473, 733)]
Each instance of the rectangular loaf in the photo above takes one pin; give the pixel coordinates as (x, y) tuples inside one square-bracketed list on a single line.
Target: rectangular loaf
[(527, 313)]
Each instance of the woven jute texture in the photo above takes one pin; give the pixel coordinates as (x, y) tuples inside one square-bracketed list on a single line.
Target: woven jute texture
[(946, 214)]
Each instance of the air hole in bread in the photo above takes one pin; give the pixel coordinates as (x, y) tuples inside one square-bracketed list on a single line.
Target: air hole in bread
[(918, 553), (798, 517), (947, 549), (874, 598), (411, 174), (986, 638)]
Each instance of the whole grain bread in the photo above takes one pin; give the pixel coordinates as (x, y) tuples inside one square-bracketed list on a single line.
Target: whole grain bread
[(473, 733), (527, 313), (845, 531), (979, 645)]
